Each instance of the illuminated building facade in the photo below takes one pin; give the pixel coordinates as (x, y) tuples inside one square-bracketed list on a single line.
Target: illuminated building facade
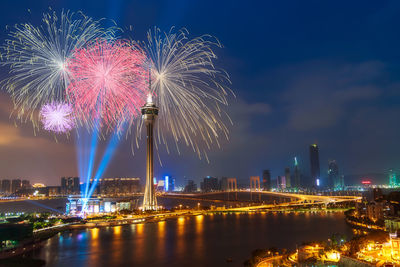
[(149, 115), (281, 182), (166, 183), (393, 179), (314, 164), (97, 205), (395, 246), (375, 211)]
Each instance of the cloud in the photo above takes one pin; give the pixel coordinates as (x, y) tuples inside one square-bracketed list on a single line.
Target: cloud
[(320, 98)]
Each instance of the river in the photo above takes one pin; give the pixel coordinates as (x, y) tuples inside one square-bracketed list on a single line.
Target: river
[(204, 240)]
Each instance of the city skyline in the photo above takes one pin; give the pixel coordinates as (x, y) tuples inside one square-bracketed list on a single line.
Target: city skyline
[(300, 94)]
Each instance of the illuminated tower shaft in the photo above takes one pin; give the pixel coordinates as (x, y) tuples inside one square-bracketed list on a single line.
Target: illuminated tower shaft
[(149, 114)]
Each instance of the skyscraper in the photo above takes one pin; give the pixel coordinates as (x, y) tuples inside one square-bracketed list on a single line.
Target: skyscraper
[(190, 187), (26, 184), (334, 180), (70, 186), (287, 177), (296, 174), (393, 180), (266, 180), (15, 185), (6, 186), (314, 163), (210, 184), (281, 182)]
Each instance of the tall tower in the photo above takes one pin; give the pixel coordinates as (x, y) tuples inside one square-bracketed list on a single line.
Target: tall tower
[(333, 175), (296, 174), (266, 175), (314, 162), (287, 177), (149, 115)]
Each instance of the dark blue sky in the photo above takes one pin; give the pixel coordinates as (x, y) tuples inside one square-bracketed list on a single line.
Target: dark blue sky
[(303, 72)]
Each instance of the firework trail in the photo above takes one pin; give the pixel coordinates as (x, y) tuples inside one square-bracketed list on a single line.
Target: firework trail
[(57, 117), (107, 82), (188, 89), (37, 58)]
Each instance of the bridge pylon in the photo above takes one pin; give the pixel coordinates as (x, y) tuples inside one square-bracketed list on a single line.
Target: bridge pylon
[(232, 186), (255, 185)]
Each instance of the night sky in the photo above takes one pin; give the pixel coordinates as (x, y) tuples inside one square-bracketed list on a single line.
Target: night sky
[(303, 72)]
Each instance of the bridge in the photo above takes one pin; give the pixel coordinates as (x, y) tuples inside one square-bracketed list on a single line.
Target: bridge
[(288, 199)]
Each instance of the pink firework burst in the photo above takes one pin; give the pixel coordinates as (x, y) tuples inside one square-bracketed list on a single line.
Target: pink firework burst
[(108, 82), (57, 117)]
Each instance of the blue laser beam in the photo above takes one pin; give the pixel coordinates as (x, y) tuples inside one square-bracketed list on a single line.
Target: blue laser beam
[(107, 156), (93, 148)]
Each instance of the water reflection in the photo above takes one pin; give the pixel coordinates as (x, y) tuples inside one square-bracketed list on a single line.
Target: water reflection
[(199, 241), (203, 240), (180, 243), (93, 257), (94, 233), (117, 230), (116, 245), (161, 245), (138, 252)]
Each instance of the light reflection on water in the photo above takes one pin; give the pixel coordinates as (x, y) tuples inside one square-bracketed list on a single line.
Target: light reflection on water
[(203, 240)]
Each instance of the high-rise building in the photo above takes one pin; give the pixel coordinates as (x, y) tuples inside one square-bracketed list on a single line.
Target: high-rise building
[(393, 180), (166, 183), (171, 184), (281, 182), (15, 185), (190, 187), (26, 184), (266, 176), (223, 184), (6, 186), (342, 182), (334, 181), (210, 184), (377, 194), (287, 177), (70, 186), (296, 175), (314, 164)]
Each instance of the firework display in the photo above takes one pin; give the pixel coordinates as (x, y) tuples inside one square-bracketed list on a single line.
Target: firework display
[(107, 81), (37, 57), (71, 59), (189, 90), (57, 117)]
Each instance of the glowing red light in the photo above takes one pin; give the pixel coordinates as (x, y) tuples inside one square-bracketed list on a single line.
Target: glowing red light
[(366, 182)]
